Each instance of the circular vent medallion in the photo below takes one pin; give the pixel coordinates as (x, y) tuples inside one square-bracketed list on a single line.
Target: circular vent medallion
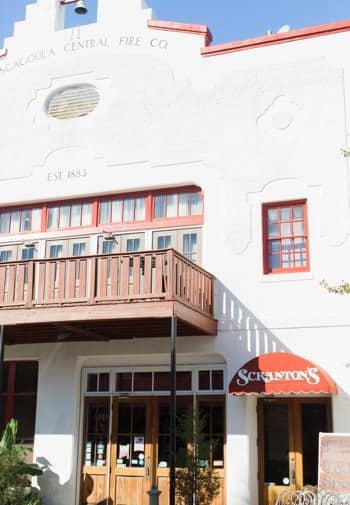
[(73, 101)]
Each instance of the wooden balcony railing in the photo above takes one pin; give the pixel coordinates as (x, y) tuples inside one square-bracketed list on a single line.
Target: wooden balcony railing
[(90, 280)]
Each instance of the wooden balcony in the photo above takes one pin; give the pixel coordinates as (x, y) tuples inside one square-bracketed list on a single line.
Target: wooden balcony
[(105, 297)]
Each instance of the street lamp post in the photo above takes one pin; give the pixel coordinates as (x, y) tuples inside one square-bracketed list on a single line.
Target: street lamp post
[(173, 411), (2, 346)]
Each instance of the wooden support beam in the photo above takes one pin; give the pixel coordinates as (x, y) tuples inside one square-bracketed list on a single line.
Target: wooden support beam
[(82, 332)]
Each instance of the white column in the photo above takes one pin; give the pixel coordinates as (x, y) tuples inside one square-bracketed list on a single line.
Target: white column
[(57, 425), (241, 456)]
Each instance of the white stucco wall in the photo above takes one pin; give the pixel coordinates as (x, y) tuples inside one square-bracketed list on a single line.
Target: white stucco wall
[(250, 127)]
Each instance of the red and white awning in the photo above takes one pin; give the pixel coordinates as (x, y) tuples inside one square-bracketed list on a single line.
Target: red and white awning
[(281, 373)]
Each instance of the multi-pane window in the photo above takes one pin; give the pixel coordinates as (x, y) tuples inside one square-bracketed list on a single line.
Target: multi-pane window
[(20, 220), (5, 255), (18, 397), (177, 205), (69, 216), (121, 210), (190, 246), (28, 253), (98, 211), (285, 237), (187, 241)]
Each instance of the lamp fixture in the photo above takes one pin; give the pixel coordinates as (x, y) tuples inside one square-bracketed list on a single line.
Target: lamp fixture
[(81, 8)]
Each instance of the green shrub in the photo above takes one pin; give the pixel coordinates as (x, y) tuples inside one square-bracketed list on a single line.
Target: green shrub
[(14, 471)]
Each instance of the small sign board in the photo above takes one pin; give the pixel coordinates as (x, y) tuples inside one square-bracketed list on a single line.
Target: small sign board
[(334, 462)]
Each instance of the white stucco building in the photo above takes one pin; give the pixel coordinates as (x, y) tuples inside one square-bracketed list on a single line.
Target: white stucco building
[(136, 157)]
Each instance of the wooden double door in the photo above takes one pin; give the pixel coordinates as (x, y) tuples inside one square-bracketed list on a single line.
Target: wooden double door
[(126, 449), (288, 431)]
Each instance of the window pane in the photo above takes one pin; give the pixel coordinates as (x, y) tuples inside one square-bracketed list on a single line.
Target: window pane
[(86, 218), (92, 382), (25, 222), (298, 212), (133, 244), (184, 381), (273, 230), (79, 249), (108, 246), (124, 381), (204, 379), (76, 215), (28, 253), (286, 229), (143, 381), (196, 204), (64, 216), (129, 209), (24, 413), (15, 221), (171, 206), (36, 219), (287, 245), (217, 378), (26, 377), (105, 212), (5, 256), (162, 381), (103, 383), (140, 209), (184, 204), (117, 211), (53, 218), (4, 222), (56, 251), (159, 206), (299, 244), (286, 214), (190, 246), (273, 215), (164, 242), (274, 262), (275, 246), (298, 228), (287, 261)]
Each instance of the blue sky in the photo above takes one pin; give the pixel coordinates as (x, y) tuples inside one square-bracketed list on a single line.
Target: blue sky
[(228, 19)]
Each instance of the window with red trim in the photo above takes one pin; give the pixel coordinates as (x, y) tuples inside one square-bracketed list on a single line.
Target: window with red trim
[(18, 397), (20, 220), (177, 205), (69, 215), (121, 210), (183, 206), (285, 234)]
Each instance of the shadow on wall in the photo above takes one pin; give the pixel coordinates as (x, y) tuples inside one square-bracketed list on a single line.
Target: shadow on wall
[(50, 489), (52, 492), (250, 336)]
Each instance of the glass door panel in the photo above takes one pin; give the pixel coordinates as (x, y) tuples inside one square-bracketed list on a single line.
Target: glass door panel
[(314, 419), (96, 452), (276, 444), (132, 452)]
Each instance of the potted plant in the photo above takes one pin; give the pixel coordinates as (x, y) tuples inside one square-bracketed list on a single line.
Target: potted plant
[(15, 488), (197, 483)]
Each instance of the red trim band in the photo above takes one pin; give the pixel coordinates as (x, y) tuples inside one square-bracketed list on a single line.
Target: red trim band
[(171, 26), (277, 38)]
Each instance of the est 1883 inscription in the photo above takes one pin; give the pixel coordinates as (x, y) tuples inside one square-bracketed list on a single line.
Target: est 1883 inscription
[(71, 174)]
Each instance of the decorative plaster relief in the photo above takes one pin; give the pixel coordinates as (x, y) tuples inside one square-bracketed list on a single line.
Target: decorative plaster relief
[(279, 115)]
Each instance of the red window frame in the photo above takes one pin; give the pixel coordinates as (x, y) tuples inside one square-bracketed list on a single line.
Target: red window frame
[(70, 204), (267, 240), (21, 209), (177, 192), (150, 221), (10, 393)]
